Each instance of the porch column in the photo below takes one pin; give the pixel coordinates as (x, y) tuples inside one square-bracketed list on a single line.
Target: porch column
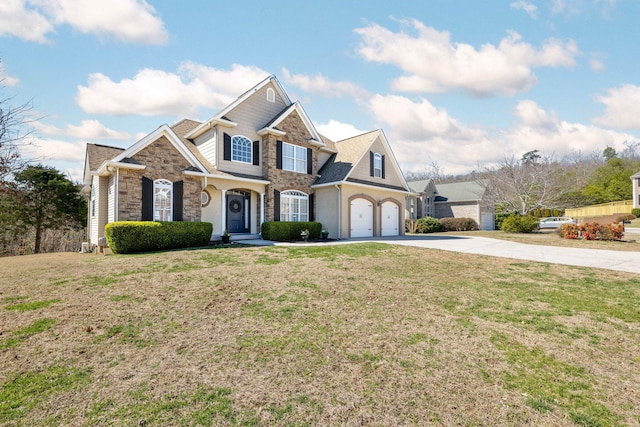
[(261, 211), (223, 213)]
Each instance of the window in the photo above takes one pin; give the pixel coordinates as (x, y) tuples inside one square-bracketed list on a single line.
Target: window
[(294, 158), (294, 206), (204, 198), (162, 200), (377, 165), (271, 95), (241, 149)]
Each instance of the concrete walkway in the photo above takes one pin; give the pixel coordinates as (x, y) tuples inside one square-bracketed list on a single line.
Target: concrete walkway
[(597, 258)]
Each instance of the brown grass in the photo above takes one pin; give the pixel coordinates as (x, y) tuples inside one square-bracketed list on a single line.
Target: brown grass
[(364, 334)]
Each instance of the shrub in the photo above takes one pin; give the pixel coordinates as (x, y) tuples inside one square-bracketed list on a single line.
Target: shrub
[(410, 225), (520, 224), (593, 231), (627, 217), (428, 225), (283, 231), (126, 237), (635, 212), (458, 224)]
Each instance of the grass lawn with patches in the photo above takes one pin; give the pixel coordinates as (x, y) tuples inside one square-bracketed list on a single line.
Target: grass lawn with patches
[(360, 334)]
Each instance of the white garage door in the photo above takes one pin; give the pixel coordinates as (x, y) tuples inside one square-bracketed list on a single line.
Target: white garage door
[(390, 219), (487, 221), (361, 218)]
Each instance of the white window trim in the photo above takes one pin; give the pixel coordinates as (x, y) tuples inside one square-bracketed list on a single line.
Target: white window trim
[(162, 184), (287, 206), (377, 165), (234, 152), (297, 151)]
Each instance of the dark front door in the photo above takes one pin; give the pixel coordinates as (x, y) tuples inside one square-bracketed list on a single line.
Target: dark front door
[(238, 213)]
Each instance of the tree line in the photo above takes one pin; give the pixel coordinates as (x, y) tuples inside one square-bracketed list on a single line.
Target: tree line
[(539, 181), (36, 201)]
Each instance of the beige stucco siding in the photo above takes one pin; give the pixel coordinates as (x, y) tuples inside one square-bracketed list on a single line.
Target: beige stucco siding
[(326, 200), (375, 195)]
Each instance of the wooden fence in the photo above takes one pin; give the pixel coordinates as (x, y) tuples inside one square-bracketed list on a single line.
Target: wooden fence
[(603, 209)]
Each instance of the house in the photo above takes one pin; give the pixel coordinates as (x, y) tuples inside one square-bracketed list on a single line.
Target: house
[(453, 200), (258, 159), (635, 180)]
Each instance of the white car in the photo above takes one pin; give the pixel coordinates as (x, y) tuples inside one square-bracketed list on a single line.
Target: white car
[(556, 221)]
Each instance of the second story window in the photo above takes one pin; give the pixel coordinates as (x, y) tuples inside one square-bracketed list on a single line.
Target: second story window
[(241, 149), (377, 165), (294, 158)]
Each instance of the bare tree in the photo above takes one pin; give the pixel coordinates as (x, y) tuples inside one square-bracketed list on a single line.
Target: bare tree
[(433, 172), (13, 136), (522, 185)]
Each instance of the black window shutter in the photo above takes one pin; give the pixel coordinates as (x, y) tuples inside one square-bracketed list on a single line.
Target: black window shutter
[(279, 154), (312, 211), (371, 172), (178, 193), (309, 161), (276, 205), (227, 147), (256, 153), (147, 199), (382, 167)]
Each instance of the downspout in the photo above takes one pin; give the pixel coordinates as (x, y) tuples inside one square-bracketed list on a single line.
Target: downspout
[(116, 196), (339, 212)]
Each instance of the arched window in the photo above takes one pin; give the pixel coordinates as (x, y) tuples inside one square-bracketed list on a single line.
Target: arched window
[(162, 200), (241, 149), (294, 206), (271, 95), (377, 165)]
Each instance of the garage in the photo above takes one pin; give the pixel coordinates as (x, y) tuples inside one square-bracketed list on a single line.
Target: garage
[(361, 218), (390, 218)]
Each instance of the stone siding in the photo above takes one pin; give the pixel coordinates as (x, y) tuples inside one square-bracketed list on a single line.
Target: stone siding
[(280, 179), (162, 161)]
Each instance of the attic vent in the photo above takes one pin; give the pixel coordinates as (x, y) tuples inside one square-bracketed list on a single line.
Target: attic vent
[(271, 95)]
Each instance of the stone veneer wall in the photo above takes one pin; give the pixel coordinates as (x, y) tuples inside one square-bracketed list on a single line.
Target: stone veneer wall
[(281, 179), (162, 161)]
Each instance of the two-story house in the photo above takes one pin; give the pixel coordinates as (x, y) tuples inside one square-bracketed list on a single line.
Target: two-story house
[(258, 159)]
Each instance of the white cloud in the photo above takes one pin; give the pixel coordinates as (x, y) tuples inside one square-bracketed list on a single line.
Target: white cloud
[(155, 92), (432, 63), (539, 130), (53, 149), (6, 79), (87, 130), (337, 131), (130, 21), (622, 108), (530, 8), (421, 133), (27, 23), (596, 64), (321, 86)]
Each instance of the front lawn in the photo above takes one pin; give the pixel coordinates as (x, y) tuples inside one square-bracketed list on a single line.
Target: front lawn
[(359, 334)]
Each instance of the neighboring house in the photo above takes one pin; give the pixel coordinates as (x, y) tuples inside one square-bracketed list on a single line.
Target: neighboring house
[(454, 200), (259, 159), (635, 180)]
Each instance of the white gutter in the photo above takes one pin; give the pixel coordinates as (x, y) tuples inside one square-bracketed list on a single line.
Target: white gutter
[(227, 177), (355, 184)]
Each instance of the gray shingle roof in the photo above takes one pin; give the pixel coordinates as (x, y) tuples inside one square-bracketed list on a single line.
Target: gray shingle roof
[(350, 150), (98, 154), (468, 191)]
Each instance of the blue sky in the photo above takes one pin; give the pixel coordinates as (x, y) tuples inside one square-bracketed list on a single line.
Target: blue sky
[(460, 84)]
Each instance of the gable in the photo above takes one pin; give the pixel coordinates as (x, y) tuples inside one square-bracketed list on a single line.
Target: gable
[(255, 111), (392, 174)]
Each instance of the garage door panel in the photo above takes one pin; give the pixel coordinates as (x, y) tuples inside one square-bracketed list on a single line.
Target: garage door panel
[(361, 218), (390, 219)]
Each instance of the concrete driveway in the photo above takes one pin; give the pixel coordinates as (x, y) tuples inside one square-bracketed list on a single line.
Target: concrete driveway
[(598, 258)]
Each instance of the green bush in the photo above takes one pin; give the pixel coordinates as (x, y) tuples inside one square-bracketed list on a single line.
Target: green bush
[(520, 224), (126, 237), (458, 224), (635, 212), (428, 225), (284, 231)]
